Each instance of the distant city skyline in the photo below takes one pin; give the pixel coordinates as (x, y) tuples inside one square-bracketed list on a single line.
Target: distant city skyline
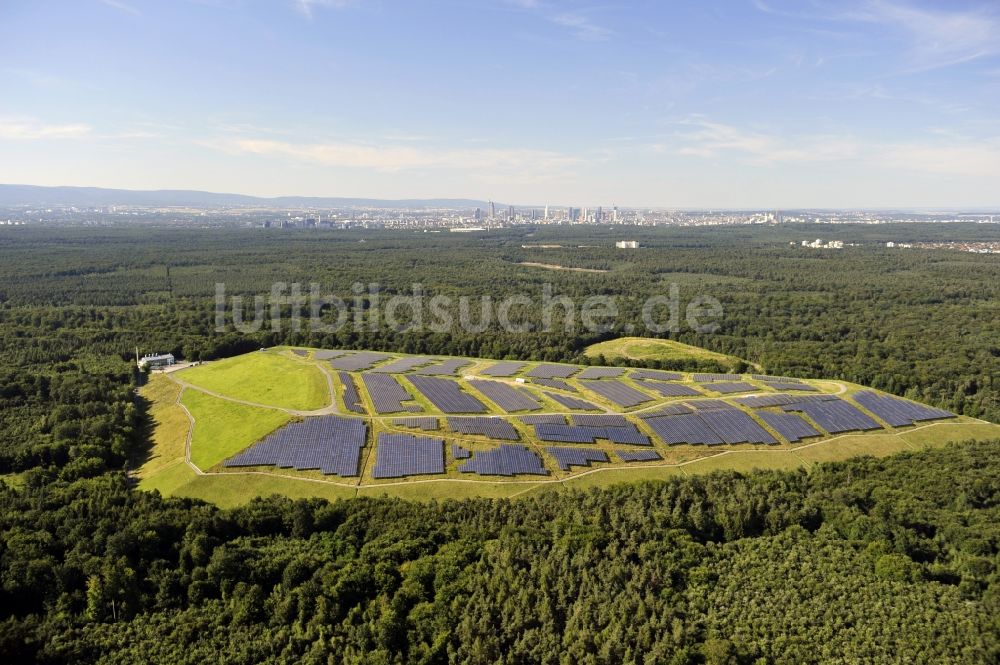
[(766, 104)]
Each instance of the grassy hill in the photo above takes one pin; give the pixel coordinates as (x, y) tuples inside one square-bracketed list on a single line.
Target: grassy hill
[(647, 348)]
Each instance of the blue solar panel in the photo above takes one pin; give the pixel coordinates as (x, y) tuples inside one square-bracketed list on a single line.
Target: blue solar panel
[(507, 397), (505, 368), (629, 434), (445, 367), (601, 372), (788, 425), (599, 420), (555, 383), (687, 428), (656, 375), (665, 410), (420, 422), (784, 385), (351, 398), (505, 460), (494, 428), (763, 401), (545, 371), (708, 404), (567, 457), (458, 452), (403, 365), (447, 395), (896, 411), (625, 434), (301, 353), (735, 426), (331, 444), (618, 392), (727, 387), (357, 360), (326, 354), (386, 393), (781, 379), (400, 455), (544, 419), (627, 455), (573, 402), (717, 377), (835, 415), (669, 389)]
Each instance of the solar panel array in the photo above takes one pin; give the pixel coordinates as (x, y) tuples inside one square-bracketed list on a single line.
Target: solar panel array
[(785, 385), (458, 452), (421, 422), (686, 428), (567, 457), (505, 396), (555, 383), (656, 375), (301, 353), (447, 395), (708, 404), (727, 387), (403, 365), (665, 410), (401, 455), (505, 460), (627, 455), (834, 415), (546, 371), (329, 443), (543, 420), (761, 401), (352, 401), (898, 412), (768, 377), (386, 393), (735, 426), (357, 361), (573, 402), (618, 392), (445, 367), (788, 425), (600, 420), (669, 389), (505, 368), (627, 434), (717, 377), (494, 428), (601, 372), (326, 354)]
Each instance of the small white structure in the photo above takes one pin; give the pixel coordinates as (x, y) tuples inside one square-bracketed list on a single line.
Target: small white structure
[(627, 244), (152, 361)]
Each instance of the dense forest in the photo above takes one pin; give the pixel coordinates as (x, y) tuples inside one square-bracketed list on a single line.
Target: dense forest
[(886, 561)]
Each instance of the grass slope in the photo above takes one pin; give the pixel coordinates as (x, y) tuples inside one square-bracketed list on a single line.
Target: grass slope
[(223, 428), (170, 428), (646, 348), (263, 378)]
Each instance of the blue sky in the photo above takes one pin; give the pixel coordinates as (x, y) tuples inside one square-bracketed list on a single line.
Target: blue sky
[(755, 103)]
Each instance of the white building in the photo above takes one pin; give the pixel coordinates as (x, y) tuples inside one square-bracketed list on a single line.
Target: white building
[(627, 244), (158, 360)]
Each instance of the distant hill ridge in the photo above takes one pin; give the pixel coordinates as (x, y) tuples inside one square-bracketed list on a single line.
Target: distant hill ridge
[(35, 195)]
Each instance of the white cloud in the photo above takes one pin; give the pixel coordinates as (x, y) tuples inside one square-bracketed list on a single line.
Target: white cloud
[(31, 129), (306, 6), (121, 6), (582, 27), (711, 139)]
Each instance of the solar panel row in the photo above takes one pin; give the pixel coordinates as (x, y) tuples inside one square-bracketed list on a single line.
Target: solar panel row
[(762, 401), (627, 455), (387, 394), (352, 401), (708, 404), (505, 368), (735, 426), (458, 452), (625, 434), (567, 457), (401, 455), (717, 377), (600, 420), (555, 383), (788, 425), (494, 428), (781, 379), (301, 353), (445, 367), (447, 395), (403, 365), (425, 423), (573, 402), (546, 371), (727, 387), (896, 411), (834, 415), (656, 375), (685, 428), (508, 398), (785, 385), (669, 389), (327, 354), (665, 410), (601, 372), (618, 392), (331, 444), (356, 361), (505, 460), (543, 420)]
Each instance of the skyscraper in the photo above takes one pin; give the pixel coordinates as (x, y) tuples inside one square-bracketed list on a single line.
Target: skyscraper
[(493, 210)]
